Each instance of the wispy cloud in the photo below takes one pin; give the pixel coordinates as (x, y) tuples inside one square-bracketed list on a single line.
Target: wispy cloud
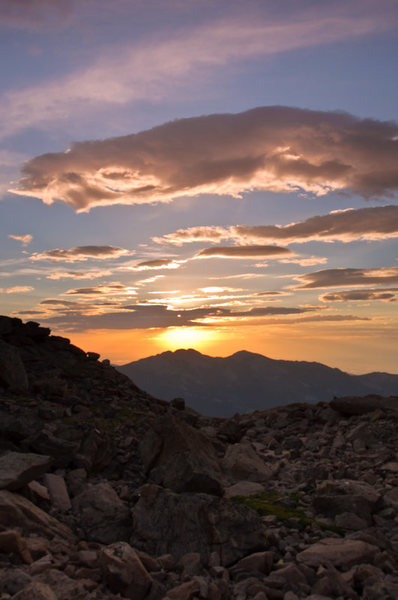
[(24, 239), (348, 277), (370, 223), (275, 148), (159, 263), (143, 316), (358, 295), (81, 253), (152, 69), (248, 252), (18, 289), (204, 233), (111, 289), (78, 274)]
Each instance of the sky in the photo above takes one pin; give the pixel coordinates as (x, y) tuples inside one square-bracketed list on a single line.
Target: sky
[(205, 174)]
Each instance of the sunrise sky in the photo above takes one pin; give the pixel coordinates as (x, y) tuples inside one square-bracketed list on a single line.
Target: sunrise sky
[(210, 174)]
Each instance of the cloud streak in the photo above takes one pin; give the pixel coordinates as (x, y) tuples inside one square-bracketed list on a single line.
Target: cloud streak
[(348, 277), (371, 223), (143, 316), (240, 252), (153, 69), (387, 295), (24, 239), (268, 148), (80, 253)]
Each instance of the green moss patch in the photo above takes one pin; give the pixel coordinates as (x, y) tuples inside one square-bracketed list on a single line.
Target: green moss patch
[(270, 503)]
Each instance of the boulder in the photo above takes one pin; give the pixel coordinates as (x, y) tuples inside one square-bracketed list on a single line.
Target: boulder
[(339, 552), (13, 581), (17, 512), (11, 542), (185, 591), (102, 515), (124, 572), (166, 522), (181, 458), (259, 562), (334, 497), (17, 469), (390, 498), (58, 491), (61, 451), (241, 461), (244, 488), (353, 405), (12, 371), (35, 591)]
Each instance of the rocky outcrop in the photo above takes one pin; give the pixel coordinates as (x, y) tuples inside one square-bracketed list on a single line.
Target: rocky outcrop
[(114, 494), (170, 523), (19, 468)]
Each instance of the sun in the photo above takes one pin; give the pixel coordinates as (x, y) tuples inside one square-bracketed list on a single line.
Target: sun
[(186, 337)]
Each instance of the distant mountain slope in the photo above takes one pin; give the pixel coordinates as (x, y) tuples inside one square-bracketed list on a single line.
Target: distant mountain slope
[(245, 381)]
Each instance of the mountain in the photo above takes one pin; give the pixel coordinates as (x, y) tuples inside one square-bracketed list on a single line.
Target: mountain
[(107, 493), (245, 381)]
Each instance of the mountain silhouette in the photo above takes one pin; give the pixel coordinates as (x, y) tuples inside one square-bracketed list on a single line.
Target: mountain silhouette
[(245, 381)]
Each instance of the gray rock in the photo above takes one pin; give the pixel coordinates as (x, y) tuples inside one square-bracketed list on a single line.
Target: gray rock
[(242, 462), (353, 405), (260, 562), (58, 492), (124, 572), (334, 497), (350, 521), (244, 488), (102, 515), (13, 581), (165, 522), (339, 552), (12, 371), (35, 591), (181, 458), (17, 512), (17, 469), (390, 498)]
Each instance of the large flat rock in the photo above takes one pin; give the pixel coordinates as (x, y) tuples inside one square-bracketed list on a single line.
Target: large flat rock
[(338, 552), (18, 468), (18, 512)]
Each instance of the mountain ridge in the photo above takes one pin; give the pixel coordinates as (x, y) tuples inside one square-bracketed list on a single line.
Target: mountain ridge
[(247, 381)]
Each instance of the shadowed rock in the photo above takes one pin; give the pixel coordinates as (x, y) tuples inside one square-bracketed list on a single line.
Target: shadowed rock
[(17, 469)]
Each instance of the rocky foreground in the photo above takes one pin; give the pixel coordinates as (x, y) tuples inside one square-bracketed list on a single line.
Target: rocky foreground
[(106, 492)]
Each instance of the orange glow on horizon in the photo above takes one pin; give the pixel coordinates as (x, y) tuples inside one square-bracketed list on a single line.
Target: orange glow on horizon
[(354, 348)]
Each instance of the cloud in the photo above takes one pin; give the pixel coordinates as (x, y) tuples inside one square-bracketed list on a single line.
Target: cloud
[(272, 148), (111, 289), (127, 73), (144, 316), (18, 289), (205, 233), (160, 263), (348, 277), (78, 275), (31, 13), (373, 223), (243, 252), (386, 295), (81, 253), (305, 262), (24, 239)]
